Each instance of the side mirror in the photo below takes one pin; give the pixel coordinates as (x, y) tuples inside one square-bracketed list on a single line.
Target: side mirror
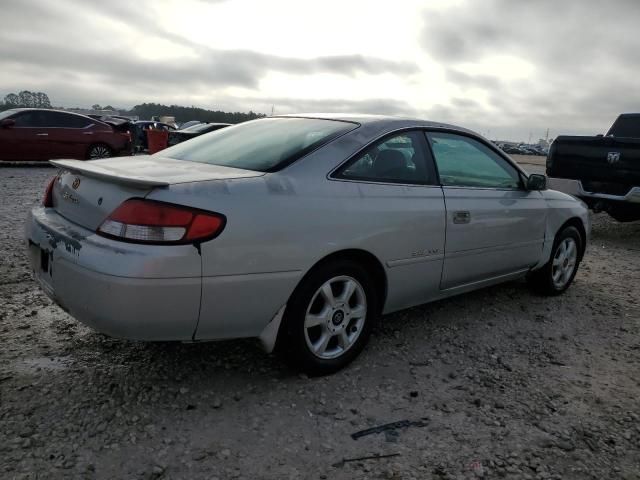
[(536, 182), (7, 123)]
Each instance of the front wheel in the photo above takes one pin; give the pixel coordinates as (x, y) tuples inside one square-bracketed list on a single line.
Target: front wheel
[(556, 276), (329, 317)]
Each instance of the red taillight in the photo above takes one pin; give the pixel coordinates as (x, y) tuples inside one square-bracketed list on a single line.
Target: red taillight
[(148, 221), (47, 200)]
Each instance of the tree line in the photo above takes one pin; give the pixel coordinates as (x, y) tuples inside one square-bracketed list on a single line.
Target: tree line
[(144, 111), (184, 114), (26, 99)]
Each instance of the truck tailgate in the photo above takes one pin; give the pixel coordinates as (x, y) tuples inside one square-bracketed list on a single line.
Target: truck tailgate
[(598, 159)]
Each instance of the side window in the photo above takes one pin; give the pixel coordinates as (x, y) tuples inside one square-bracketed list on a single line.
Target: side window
[(27, 119), (401, 158), (465, 162), (64, 120)]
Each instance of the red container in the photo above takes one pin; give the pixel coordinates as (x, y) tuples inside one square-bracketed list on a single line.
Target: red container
[(157, 140)]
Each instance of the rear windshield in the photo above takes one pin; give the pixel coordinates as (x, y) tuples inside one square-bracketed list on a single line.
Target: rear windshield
[(264, 145), (626, 126)]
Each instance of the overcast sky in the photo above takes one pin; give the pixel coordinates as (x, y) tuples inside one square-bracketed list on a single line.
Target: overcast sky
[(506, 68)]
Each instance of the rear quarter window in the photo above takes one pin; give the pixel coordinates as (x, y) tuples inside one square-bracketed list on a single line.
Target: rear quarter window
[(264, 145), (626, 127)]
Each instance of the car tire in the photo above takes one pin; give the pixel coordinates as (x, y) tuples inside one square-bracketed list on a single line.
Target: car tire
[(99, 150), (329, 317), (558, 273)]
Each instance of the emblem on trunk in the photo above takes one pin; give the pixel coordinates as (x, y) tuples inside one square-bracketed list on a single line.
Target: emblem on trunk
[(613, 157), (76, 183)]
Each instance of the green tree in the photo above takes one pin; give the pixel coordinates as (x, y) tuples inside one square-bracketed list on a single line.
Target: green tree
[(27, 99), (12, 100)]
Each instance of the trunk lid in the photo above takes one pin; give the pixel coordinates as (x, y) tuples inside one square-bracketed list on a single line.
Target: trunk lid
[(86, 192)]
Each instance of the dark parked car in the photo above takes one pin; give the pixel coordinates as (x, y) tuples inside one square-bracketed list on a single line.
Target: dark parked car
[(603, 171), (39, 134), (190, 123), (194, 131), (511, 150)]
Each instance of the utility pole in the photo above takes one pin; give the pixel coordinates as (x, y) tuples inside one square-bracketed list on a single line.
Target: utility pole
[(547, 137), (272, 108), (529, 138)]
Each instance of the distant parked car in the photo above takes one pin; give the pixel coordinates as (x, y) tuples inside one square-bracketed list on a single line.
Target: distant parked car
[(511, 150), (194, 131), (40, 134)]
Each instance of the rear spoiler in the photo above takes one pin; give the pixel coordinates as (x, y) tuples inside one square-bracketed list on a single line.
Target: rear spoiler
[(90, 169)]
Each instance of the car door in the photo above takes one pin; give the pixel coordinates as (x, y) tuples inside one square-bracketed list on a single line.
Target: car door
[(393, 187), (21, 141), (495, 227), (67, 135)]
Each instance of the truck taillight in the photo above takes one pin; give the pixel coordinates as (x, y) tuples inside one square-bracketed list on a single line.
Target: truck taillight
[(148, 221), (47, 199)]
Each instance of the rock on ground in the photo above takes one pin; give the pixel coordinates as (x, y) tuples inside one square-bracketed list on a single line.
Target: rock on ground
[(505, 384)]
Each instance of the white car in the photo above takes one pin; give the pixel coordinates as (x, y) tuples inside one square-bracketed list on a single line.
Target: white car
[(299, 230)]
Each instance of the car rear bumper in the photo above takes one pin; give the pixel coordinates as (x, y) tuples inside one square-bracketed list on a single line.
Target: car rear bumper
[(575, 188), (125, 290)]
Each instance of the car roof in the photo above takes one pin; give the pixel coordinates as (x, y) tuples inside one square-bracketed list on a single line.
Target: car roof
[(379, 120), (32, 109)]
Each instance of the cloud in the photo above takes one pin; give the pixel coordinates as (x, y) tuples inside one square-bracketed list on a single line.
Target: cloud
[(510, 66), (112, 57), (582, 56)]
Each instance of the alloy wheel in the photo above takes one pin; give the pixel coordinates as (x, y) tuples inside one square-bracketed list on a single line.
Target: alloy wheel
[(564, 262), (335, 317)]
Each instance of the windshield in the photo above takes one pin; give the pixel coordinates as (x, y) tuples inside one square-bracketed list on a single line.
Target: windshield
[(264, 145)]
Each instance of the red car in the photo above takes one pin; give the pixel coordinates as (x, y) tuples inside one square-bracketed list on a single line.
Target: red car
[(39, 134)]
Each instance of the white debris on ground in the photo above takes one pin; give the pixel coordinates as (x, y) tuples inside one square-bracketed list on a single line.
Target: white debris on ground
[(499, 383)]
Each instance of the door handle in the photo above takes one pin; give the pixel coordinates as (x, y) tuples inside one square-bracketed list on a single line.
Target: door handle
[(87, 133), (461, 217), (42, 134)]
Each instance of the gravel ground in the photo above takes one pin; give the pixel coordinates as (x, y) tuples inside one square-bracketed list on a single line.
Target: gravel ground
[(495, 384)]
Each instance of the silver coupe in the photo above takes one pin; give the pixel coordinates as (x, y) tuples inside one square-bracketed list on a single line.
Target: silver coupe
[(298, 230)]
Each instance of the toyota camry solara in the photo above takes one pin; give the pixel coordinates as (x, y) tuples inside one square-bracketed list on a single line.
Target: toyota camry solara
[(298, 230)]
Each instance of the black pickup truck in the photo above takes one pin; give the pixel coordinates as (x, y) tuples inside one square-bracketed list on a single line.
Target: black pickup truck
[(603, 171)]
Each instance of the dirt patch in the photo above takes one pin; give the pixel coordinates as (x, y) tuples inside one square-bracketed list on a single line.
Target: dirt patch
[(499, 383)]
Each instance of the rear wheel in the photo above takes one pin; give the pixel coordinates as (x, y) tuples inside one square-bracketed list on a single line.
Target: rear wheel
[(99, 150), (329, 317), (556, 276)]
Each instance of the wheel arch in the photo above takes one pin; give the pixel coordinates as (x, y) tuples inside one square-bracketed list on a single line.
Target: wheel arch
[(577, 223), (363, 257)]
